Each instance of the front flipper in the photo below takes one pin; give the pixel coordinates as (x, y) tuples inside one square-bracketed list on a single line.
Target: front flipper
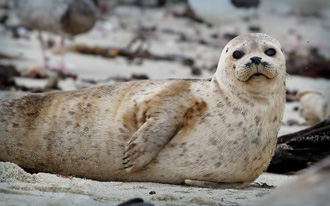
[(161, 120), (215, 185), (150, 138)]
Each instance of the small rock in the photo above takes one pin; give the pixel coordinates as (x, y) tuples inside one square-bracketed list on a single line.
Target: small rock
[(196, 71), (136, 202), (152, 193)]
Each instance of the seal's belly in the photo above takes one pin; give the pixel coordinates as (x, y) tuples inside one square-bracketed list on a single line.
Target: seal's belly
[(209, 155)]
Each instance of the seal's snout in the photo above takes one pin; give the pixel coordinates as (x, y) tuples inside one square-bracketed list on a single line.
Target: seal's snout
[(255, 67), (256, 60)]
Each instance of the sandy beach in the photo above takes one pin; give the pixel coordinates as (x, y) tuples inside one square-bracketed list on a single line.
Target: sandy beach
[(171, 35), (20, 188)]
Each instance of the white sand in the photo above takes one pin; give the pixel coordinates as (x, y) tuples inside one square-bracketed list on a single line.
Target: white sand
[(20, 188)]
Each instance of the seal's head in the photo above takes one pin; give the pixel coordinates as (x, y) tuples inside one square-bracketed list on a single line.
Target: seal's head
[(253, 62)]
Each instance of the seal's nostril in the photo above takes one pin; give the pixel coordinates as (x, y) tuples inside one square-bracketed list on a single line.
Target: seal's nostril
[(256, 60)]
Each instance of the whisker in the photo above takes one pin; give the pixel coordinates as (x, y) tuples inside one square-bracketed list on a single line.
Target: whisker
[(286, 74)]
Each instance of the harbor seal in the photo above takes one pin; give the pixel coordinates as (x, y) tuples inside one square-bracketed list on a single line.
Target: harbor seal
[(219, 132)]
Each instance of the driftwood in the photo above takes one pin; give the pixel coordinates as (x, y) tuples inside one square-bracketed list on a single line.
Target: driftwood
[(127, 53), (299, 150)]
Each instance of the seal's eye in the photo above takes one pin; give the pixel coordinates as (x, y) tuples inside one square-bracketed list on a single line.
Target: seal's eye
[(238, 54), (270, 52)]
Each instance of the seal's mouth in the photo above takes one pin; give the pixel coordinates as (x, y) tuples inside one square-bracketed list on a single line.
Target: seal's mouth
[(250, 71), (258, 74)]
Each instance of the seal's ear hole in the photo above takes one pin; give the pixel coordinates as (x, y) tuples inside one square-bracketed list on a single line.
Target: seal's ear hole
[(270, 52), (238, 54)]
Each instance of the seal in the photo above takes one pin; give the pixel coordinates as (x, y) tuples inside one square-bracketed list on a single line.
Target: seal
[(219, 132), (315, 105)]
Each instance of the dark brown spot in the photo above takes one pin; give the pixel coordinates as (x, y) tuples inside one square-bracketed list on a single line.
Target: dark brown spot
[(259, 132), (256, 141), (275, 118), (257, 119), (172, 145), (236, 110), (220, 104), (14, 124), (212, 141), (207, 175), (239, 124), (223, 118), (218, 164), (122, 130), (124, 137), (69, 123), (246, 159), (227, 101), (71, 112)]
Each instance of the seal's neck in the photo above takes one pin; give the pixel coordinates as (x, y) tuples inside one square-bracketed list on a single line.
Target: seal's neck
[(233, 91), (253, 91)]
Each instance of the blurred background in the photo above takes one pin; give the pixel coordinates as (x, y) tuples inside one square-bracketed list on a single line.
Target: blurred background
[(72, 44)]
